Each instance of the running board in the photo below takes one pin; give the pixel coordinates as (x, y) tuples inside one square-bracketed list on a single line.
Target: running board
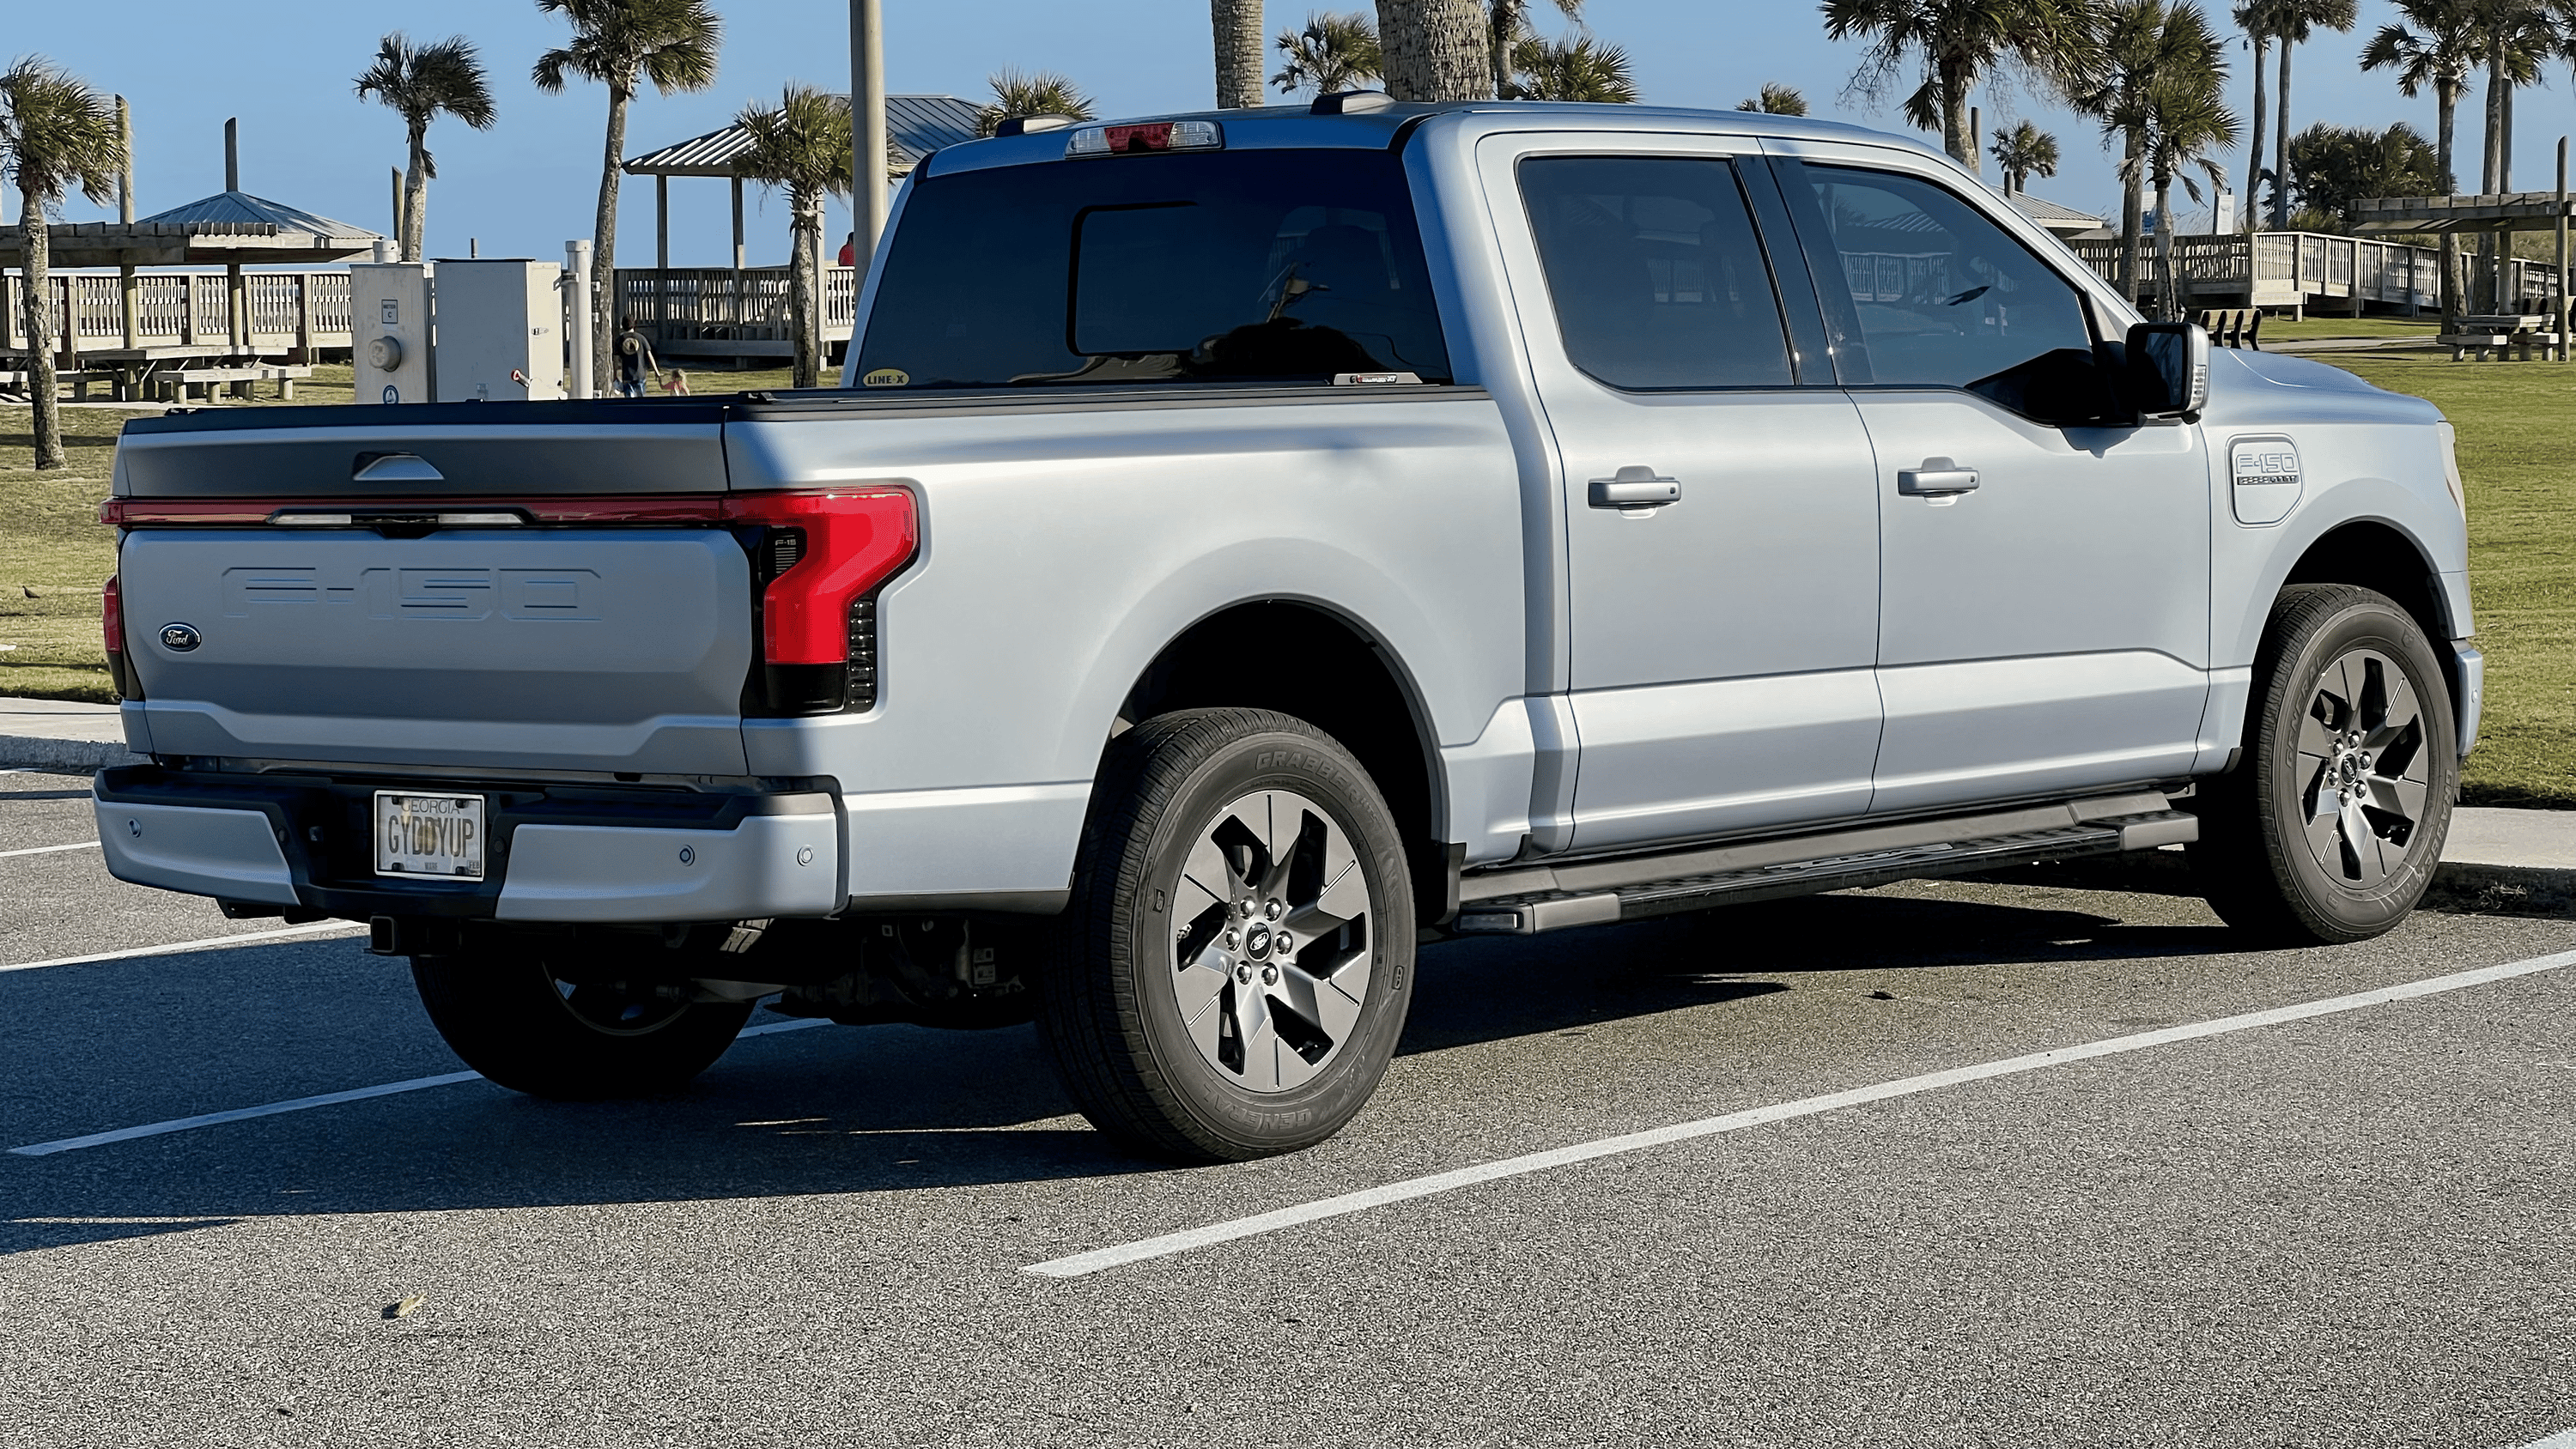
[(1635, 888)]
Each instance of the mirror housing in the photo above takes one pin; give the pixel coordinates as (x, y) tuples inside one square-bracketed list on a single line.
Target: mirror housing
[(2168, 369)]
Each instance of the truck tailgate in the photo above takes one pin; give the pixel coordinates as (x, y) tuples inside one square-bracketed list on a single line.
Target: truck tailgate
[(601, 649)]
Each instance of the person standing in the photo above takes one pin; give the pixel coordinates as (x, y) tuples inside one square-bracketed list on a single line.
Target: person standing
[(634, 357)]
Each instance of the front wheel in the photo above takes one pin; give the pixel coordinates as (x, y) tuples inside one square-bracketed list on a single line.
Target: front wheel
[(2331, 826), (580, 1032), (1234, 968)]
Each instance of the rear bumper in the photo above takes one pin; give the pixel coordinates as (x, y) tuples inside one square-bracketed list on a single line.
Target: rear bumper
[(558, 853)]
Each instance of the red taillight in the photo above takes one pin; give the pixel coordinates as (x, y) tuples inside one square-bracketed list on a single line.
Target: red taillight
[(112, 616), (854, 541)]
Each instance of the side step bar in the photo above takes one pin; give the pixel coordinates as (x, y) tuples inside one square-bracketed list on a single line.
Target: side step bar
[(1526, 901)]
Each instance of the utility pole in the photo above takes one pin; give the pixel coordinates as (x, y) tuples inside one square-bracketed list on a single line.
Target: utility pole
[(868, 198), (2560, 306)]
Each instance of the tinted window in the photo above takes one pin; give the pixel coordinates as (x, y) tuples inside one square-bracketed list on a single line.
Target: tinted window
[(1284, 265), (1921, 288), (1655, 273)]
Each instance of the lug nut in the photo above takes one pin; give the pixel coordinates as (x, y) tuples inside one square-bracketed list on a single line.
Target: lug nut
[(1273, 910), (1233, 939), (1282, 943), (1269, 975), (1243, 974)]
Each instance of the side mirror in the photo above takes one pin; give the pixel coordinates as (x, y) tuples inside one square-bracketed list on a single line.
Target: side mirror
[(2168, 369)]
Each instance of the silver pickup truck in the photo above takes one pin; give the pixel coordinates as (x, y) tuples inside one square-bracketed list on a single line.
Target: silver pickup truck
[(1249, 546)]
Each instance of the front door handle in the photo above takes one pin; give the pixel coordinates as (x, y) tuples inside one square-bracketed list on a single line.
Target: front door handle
[(1636, 488), (1937, 478)]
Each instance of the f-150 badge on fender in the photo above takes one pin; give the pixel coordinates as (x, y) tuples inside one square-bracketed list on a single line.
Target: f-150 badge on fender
[(2265, 473)]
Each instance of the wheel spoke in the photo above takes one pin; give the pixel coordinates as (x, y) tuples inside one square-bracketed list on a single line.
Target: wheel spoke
[(2397, 795), (1260, 1039), (2364, 843), (2325, 833), (1331, 1004), (1199, 984), (1208, 871), (2393, 726), (2316, 738)]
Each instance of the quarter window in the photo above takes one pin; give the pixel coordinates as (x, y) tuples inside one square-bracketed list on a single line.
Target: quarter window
[(1655, 272)]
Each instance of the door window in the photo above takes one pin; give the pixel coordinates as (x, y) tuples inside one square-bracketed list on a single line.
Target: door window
[(1921, 289), (1657, 277)]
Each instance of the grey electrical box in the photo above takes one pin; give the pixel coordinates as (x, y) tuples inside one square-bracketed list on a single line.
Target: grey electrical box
[(500, 330), (390, 329)]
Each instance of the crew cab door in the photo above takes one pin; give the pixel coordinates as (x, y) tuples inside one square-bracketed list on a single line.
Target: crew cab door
[(1720, 531), (2043, 614)]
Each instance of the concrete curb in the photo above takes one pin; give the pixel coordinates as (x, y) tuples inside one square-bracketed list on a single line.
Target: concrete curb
[(2460, 886), (34, 752)]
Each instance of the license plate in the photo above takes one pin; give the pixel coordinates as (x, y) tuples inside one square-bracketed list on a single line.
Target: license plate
[(440, 836)]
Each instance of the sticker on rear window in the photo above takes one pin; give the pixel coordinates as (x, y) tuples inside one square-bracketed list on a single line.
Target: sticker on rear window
[(886, 377)]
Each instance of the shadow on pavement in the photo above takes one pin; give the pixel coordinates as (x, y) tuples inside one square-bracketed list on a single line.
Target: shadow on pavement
[(843, 1111)]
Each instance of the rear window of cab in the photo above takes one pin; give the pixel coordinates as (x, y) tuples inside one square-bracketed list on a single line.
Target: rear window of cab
[(1238, 266)]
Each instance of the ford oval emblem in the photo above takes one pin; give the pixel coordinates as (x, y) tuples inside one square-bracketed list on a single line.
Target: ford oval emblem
[(179, 638)]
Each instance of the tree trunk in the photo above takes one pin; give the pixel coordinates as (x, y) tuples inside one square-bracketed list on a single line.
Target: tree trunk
[(802, 275), (416, 195), (603, 255), (1435, 49), (1956, 81), (1238, 52), (2253, 218), (2281, 145), (1498, 42), (2168, 290), (2483, 290), (37, 269), (2504, 142), (2446, 101), (2131, 213)]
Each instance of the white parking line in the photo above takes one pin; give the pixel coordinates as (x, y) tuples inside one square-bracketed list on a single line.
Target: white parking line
[(246, 938), (49, 849), (2564, 1440), (306, 1104), (1168, 1244)]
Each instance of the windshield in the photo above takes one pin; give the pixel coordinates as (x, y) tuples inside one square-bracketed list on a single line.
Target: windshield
[(1236, 266)]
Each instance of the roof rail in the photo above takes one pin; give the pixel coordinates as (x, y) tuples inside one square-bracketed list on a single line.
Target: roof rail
[(1350, 103)]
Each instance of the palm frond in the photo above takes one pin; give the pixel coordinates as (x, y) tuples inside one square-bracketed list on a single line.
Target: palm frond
[(56, 134), (1042, 93), (1335, 52), (619, 43)]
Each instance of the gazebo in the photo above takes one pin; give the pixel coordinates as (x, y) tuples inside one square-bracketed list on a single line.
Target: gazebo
[(232, 229), (711, 311)]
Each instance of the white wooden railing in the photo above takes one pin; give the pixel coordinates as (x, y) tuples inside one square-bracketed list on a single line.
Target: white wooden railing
[(287, 310), (2299, 268)]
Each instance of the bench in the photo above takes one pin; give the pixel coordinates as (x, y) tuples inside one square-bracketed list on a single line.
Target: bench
[(2234, 326), (176, 384), (2517, 333), (20, 380)]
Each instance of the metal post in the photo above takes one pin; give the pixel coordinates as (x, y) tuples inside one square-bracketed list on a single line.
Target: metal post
[(868, 199), (232, 154), (129, 291), (398, 213), (661, 258), (2560, 305), (577, 314), (736, 314)]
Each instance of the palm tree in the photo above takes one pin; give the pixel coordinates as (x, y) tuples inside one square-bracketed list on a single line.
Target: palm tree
[(1238, 52), (2186, 119), (418, 82), (55, 133), (1435, 50), (1959, 42), (1507, 24), (1572, 70), (621, 44), (2443, 52), (2136, 50), (2293, 21), (1043, 94), (1333, 53), (2254, 17), (801, 145), (1775, 99), (2023, 152)]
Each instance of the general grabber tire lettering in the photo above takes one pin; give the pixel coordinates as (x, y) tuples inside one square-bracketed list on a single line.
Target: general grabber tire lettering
[(1233, 971), (2331, 825), (511, 1013)]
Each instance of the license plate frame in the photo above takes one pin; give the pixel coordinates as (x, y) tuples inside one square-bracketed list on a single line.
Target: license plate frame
[(452, 825)]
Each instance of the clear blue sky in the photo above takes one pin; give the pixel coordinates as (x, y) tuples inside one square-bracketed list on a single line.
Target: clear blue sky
[(283, 67)]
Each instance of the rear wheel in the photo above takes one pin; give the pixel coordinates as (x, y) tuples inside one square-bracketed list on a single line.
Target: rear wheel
[(2332, 824), (1234, 969), (550, 1028)]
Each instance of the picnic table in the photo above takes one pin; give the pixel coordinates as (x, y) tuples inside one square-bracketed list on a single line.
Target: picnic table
[(2516, 332), (167, 373)]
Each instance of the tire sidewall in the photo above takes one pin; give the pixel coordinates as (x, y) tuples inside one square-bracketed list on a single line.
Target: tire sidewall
[(1306, 765), (2333, 908)]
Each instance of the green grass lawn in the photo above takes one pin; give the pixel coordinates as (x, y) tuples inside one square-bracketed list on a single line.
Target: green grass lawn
[(2307, 329), (2517, 424)]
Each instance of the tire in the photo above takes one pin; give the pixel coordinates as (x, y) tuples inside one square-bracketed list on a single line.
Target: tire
[(1177, 1025), (506, 1012), (2331, 825)]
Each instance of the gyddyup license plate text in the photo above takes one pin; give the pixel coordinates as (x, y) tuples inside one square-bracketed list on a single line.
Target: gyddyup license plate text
[(431, 835)]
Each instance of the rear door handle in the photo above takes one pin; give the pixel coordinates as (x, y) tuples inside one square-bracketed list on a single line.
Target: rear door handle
[(1937, 478), (1635, 488)]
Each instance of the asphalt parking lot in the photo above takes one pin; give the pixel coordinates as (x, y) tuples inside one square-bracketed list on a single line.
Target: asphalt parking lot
[(2350, 1226)]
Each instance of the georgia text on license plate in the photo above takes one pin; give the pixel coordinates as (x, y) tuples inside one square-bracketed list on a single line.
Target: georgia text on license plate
[(432, 835)]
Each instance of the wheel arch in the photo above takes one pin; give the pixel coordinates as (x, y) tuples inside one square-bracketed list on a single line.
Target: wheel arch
[(1374, 708), (2372, 554)]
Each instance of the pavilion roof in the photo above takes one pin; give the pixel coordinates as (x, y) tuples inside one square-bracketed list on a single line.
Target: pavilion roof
[(229, 226), (915, 127)]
